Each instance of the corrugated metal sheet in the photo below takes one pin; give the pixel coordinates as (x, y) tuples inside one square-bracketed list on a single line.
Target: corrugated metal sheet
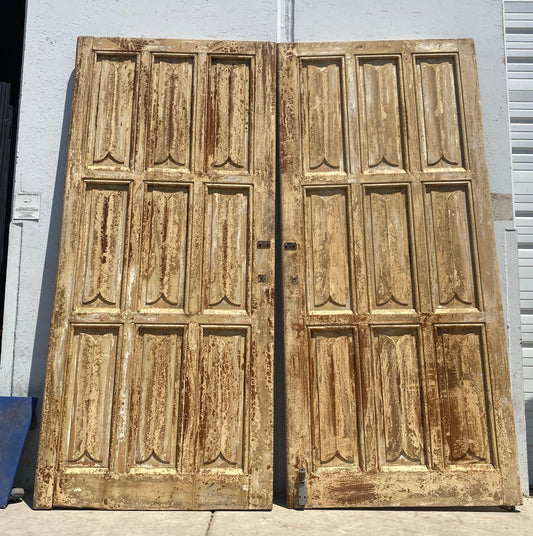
[(519, 43)]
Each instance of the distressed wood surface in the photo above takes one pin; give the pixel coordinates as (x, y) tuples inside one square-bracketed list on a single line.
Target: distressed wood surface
[(159, 381), (397, 379)]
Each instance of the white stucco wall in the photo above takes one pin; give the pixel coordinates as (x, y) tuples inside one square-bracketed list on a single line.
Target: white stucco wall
[(51, 30)]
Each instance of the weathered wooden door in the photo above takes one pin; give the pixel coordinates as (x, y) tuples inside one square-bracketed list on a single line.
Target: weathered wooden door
[(159, 381), (397, 378)]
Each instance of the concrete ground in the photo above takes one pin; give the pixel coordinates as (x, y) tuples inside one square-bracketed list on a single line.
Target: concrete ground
[(19, 519)]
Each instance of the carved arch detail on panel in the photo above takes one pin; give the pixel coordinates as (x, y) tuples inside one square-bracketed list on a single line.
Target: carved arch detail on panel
[(227, 223), (165, 245), (322, 109), (89, 407), (155, 396), (442, 136), (328, 248), (382, 114), (225, 359), (464, 387), (388, 222), (230, 111), (335, 411), (171, 133), (113, 111), (398, 373), (105, 224), (452, 246)]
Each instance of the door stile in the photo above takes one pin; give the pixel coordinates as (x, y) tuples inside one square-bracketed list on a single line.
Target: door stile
[(52, 407), (495, 328), (262, 296)]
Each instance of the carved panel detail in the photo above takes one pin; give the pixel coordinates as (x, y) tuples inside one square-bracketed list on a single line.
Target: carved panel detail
[(90, 405), (332, 354), (388, 224), (155, 397), (226, 247), (328, 249), (382, 122), (105, 220), (224, 358), (322, 109), (112, 115), (399, 391), (452, 246), (229, 114), (464, 391), (441, 130), (172, 112), (165, 236)]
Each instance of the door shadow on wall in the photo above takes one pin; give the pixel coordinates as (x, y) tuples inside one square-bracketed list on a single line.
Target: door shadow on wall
[(280, 438), (26, 474)]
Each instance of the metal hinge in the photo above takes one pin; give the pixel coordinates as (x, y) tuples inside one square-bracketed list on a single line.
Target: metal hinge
[(302, 487)]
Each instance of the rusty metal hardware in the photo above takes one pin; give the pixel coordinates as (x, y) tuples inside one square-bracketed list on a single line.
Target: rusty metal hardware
[(302, 487)]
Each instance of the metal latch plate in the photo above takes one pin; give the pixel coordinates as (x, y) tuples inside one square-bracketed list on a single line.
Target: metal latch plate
[(302, 487)]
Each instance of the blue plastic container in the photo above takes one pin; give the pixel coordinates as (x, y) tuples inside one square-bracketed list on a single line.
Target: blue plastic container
[(17, 414)]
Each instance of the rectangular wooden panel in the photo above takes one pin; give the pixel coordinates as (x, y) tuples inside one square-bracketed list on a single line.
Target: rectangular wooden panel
[(165, 238), (465, 395), (90, 404), (328, 249), (399, 378), (334, 421), (225, 359), (157, 386), (322, 109), (230, 112), (387, 231), (171, 117), (382, 115), (163, 325), (227, 235), (390, 248), (452, 249), (439, 104), (105, 224), (112, 111)]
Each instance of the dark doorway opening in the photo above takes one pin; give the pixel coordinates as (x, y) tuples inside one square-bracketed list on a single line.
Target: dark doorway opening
[(12, 17)]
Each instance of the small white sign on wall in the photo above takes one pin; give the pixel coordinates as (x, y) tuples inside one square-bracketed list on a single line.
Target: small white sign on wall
[(27, 206)]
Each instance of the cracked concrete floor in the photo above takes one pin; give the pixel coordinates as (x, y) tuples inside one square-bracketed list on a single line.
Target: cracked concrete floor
[(20, 520)]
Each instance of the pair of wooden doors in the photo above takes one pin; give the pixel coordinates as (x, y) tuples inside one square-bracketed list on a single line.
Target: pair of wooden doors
[(160, 374)]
